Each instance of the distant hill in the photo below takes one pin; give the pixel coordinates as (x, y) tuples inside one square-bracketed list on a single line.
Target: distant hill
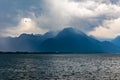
[(67, 40), (116, 41)]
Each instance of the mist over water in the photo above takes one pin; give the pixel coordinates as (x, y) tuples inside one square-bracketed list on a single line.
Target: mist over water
[(59, 67)]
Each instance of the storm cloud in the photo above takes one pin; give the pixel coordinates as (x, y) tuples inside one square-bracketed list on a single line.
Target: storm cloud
[(90, 16)]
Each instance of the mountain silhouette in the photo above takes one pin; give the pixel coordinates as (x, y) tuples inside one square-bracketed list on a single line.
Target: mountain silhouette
[(67, 40), (72, 40), (116, 41), (25, 42)]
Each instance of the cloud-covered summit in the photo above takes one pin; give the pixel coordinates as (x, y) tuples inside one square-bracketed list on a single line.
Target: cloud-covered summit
[(90, 16)]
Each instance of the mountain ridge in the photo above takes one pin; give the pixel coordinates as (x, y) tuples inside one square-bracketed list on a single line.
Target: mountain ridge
[(67, 40)]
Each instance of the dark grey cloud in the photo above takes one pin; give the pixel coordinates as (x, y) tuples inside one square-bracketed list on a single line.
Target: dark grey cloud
[(11, 10)]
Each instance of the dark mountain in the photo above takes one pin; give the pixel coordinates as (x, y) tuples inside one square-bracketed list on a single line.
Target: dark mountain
[(71, 40), (110, 47), (116, 41), (25, 42), (67, 40), (49, 35)]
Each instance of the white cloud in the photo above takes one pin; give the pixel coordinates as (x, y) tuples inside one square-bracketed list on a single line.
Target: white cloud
[(60, 13), (82, 9), (109, 29)]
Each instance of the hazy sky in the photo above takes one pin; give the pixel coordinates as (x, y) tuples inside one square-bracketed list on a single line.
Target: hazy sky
[(100, 18)]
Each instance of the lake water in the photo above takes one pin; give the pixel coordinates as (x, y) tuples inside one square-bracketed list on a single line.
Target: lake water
[(59, 67)]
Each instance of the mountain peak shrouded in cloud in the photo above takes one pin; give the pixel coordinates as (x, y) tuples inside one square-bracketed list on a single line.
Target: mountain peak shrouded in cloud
[(90, 16), (66, 40), (71, 30)]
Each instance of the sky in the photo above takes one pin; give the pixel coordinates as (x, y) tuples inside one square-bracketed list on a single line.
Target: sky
[(99, 18)]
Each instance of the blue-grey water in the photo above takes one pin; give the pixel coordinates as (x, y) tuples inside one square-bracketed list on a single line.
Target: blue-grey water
[(59, 67)]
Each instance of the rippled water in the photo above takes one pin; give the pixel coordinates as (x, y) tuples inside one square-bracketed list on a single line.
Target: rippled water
[(59, 67)]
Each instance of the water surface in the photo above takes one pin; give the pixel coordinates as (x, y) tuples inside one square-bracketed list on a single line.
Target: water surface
[(59, 67)]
